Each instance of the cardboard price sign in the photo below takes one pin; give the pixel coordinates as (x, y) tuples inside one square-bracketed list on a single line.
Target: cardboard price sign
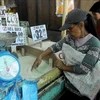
[(2, 15), (12, 19), (2, 11), (19, 32), (39, 32)]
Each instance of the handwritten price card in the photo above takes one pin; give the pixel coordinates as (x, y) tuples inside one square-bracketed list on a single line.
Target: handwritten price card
[(2, 15), (2, 11), (12, 19), (12, 29), (25, 25), (39, 32)]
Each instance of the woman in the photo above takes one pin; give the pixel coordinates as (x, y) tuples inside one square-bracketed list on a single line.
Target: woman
[(95, 9), (81, 39)]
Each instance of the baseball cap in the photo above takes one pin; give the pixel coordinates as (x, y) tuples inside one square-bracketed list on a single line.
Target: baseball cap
[(74, 16), (95, 7)]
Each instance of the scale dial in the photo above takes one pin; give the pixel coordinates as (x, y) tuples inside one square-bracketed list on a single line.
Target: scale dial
[(9, 66)]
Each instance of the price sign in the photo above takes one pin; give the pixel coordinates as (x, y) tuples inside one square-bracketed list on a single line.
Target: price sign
[(19, 32), (2, 15), (12, 19), (25, 25), (2, 11), (39, 32)]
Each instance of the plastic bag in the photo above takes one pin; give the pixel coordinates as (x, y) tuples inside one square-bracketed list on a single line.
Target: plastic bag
[(8, 89), (7, 84), (29, 90), (88, 84), (13, 93)]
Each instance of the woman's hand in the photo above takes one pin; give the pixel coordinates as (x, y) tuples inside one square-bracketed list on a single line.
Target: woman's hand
[(37, 62), (40, 57), (59, 64)]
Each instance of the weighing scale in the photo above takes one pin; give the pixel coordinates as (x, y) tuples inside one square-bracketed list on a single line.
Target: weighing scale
[(9, 64)]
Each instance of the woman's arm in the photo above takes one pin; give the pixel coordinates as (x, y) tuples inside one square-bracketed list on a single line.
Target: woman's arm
[(59, 64), (46, 52), (40, 57), (53, 49), (91, 58)]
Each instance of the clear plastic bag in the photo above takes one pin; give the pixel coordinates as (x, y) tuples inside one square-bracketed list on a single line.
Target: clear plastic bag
[(10, 90), (13, 93)]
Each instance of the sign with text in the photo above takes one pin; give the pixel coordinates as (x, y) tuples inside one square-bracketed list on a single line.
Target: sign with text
[(2, 11), (12, 29), (2, 15), (12, 19), (39, 32)]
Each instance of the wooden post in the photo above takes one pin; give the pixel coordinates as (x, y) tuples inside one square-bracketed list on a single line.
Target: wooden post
[(65, 11), (2, 2)]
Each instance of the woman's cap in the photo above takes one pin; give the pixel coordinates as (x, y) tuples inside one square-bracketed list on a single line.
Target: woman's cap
[(74, 16), (95, 7)]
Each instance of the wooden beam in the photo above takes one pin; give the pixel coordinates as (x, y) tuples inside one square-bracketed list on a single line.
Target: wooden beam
[(65, 11), (2, 3)]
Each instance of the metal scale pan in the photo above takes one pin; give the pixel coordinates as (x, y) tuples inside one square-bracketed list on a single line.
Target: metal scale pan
[(7, 39)]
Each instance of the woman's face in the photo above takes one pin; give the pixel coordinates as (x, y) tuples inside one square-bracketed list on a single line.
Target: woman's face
[(75, 31), (96, 15)]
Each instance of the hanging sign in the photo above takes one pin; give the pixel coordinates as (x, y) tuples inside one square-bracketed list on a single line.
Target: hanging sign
[(39, 32), (12, 19), (12, 29)]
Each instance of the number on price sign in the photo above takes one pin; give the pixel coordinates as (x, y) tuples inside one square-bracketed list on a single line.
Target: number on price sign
[(39, 32)]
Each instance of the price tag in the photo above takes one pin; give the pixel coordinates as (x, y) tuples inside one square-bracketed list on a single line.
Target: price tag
[(2, 15), (12, 19), (2, 11), (13, 29), (39, 32), (25, 25)]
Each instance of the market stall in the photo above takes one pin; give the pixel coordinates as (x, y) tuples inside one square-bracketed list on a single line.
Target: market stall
[(18, 53), (48, 78)]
